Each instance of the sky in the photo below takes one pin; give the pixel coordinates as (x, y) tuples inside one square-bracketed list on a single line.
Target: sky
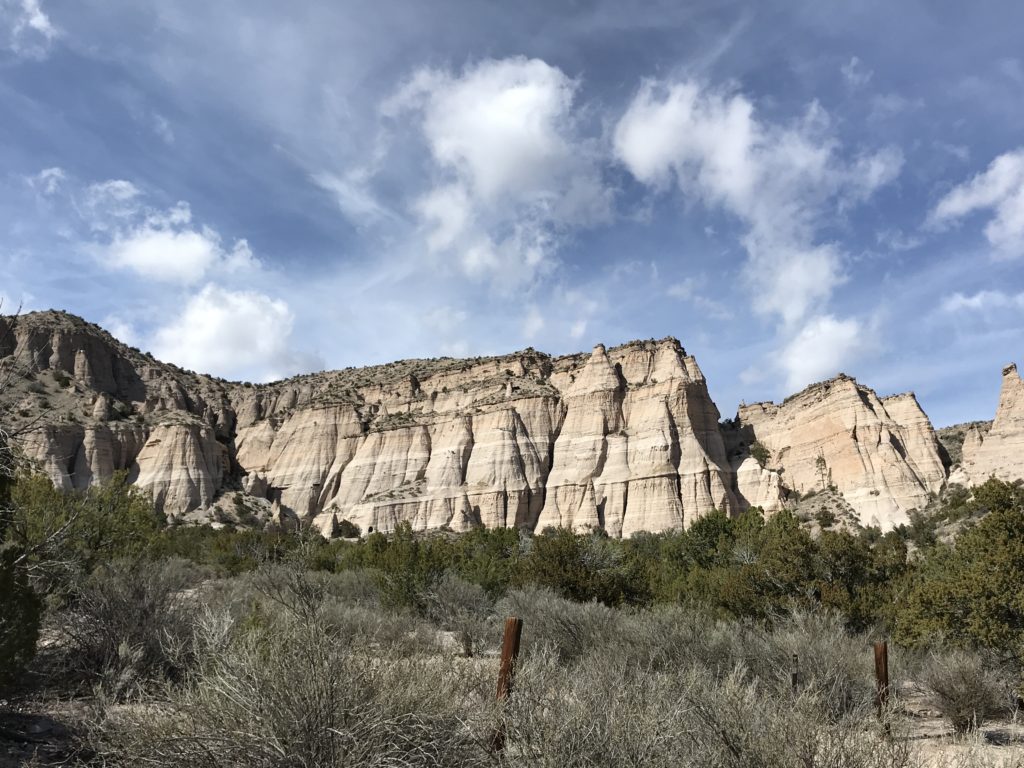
[(256, 189)]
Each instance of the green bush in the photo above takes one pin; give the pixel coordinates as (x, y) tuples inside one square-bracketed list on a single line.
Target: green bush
[(70, 533), (971, 593)]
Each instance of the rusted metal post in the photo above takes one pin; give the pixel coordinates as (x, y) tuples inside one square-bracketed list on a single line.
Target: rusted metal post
[(881, 675), (794, 678), (506, 672)]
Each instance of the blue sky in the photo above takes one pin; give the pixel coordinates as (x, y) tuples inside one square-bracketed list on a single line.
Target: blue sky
[(793, 189)]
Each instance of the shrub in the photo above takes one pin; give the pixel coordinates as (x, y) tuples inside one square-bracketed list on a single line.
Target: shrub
[(347, 530), (963, 689), (463, 608), (760, 453), (558, 626), (70, 533), (292, 695), (129, 626), (970, 594)]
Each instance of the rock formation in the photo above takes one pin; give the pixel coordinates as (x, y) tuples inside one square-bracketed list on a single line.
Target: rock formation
[(999, 451), (880, 453), (626, 438)]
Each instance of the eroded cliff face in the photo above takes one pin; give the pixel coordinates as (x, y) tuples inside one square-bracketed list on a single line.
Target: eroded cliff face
[(999, 452), (880, 453), (627, 438)]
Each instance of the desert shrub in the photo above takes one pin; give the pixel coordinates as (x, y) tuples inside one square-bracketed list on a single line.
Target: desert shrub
[(344, 604), (562, 627), (130, 626), (458, 606), (760, 453), (348, 530), (832, 665), (964, 689), (291, 695), (579, 567), (602, 711)]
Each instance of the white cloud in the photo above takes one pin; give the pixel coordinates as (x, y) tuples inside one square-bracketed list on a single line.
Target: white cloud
[(233, 334), (165, 247), (578, 329), (533, 322), (821, 348), (779, 180), (120, 329), (898, 240), (1000, 190), (48, 181), (354, 198), (29, 30), (157, 244), (448, 212), (511, 172), (982, 301), (109, 201), (445, 320), (856, 74)]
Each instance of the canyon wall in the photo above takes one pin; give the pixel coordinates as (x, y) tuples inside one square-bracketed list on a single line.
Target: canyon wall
[(626, 439)]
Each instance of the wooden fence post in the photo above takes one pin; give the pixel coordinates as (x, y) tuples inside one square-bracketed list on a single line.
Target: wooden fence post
[(881, 675), (795, 675), (507, 669)]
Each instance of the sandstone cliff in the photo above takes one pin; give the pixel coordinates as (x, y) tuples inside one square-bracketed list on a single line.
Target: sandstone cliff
[(880, 453), (626, 438), (998, 451)]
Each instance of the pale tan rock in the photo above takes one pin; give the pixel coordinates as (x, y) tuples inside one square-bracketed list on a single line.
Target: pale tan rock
[(759, 486), (884, 463), (625, 438), (1000, 452), (182, 466)]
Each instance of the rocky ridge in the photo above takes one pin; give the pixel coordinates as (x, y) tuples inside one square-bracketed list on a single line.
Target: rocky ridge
[(626, 438)]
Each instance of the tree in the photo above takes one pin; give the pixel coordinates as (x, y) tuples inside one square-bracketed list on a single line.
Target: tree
[(66, 534), (761, 454), (972, 593), (20, 607)]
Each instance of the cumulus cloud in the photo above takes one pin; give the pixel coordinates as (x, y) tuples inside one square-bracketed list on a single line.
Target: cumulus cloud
[(998, 190), (782, 181), (29, 30), (512, 172), (821, 348), (157, 244), (236, 334)]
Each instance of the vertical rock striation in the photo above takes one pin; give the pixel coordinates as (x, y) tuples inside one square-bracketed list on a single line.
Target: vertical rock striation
[(999, 452)]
